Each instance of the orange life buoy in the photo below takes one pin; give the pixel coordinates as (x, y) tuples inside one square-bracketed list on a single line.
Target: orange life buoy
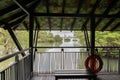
[(94, 63)]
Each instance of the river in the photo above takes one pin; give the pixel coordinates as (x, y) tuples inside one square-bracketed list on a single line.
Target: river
[(70, 59)]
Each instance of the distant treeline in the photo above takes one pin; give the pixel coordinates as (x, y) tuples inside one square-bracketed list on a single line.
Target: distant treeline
[(103, 39)]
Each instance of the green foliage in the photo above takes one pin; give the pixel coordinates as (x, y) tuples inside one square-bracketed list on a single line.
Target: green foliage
[(23, 37), (6, 40), (48, 37), (107, 38), (45, 37), (80, 35), (103, 39), (57, 38), (67, 40)]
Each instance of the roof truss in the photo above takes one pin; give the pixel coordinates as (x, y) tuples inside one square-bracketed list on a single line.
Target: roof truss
[(23, 7)]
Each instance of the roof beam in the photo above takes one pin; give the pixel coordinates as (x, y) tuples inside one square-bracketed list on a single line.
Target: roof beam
[(12, 7), (1, 22), (92, 12), (76, 15), (84, 24), (48, 11), (17, 21), (116, 26), (37, 23), (12, 17), (36, 3), (15, 26), (32, 5), (113, 2), (95, 6), (77, 12), (109, 23), (14, 39), (63, 11), (22, 6), (17, 14), (8, 9), (25, 25)]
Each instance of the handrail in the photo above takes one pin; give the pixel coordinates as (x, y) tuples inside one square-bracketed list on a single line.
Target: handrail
[(8, 67), (11, 55), (13, 63), (79, 47), (76, 52)]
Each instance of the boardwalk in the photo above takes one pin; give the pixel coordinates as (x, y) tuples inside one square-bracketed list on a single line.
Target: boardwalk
[(108, 76), (100, 77)]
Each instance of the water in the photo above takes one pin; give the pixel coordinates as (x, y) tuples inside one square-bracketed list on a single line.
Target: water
[(68, 60)]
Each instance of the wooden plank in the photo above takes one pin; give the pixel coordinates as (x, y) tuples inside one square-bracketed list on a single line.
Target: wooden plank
[(74, 74)]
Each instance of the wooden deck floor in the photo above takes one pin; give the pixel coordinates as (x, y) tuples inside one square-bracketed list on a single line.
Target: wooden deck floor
[(101, 76), (107, 76)]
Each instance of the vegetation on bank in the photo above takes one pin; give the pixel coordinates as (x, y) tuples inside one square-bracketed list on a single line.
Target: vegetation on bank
[(103, 39), (67, 40), (48, 37), (8, 46)]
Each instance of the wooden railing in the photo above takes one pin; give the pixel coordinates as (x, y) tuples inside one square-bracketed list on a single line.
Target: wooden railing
[(76, 59), (20, 69)]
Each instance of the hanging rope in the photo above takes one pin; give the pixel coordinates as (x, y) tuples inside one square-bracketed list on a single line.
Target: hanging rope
[(93, 61), (86, 39)]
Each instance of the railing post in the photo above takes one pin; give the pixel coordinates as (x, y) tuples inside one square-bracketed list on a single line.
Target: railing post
[(17, 67), (3, 75), (75, 60), (62, 58), (50, 62), (108, 54), (119, 63)]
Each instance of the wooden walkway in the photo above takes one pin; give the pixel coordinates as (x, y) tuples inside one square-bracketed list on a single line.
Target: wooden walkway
[(101, 76), (108, 76)]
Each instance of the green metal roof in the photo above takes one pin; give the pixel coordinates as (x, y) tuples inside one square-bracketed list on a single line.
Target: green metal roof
[(61, 14)]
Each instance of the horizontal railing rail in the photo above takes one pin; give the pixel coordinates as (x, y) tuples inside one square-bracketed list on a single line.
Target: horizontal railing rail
[(118, 47), (12, 55), (14, 63), (20, 69)]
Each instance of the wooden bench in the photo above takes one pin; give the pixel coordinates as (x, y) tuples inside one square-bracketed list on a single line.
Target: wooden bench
[(75, 74)]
